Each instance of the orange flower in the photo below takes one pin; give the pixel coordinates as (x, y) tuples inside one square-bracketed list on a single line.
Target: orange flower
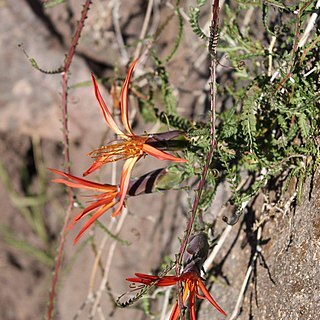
[(104, 201), (130, 147), (192, 286)]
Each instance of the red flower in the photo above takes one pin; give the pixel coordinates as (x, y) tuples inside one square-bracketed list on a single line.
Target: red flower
[(102, 202), (192, 286), (130, 147)]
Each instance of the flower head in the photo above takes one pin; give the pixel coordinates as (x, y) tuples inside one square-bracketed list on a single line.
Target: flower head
[(194, 257), (193, 287), (129, 147), (101, 203), (108, 196)]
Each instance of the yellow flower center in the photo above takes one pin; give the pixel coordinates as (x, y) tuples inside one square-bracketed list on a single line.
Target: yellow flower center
[(123, 149)]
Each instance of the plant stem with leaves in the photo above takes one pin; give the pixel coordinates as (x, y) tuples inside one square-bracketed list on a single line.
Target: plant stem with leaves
[(213, 52), (64, 109)]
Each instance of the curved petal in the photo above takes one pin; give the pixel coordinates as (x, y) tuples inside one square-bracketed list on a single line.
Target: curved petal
[(124, 182), (105, 111), (96, 165), (143, 278), (164, 281), (102, 202), (138, 280), (209, 298), (124, 99), (82, 183), (175, 312), (99, 213), (176, 309), (146, 276), (76, 185), (160, 154), (185, 292), (192, 299)]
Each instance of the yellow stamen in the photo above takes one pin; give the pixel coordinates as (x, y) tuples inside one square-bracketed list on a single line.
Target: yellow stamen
[(124, 149)]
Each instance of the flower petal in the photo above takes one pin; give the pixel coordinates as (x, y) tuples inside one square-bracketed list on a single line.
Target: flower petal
[(96, 165), (176, 309), (124, 182), (146, 276), (209, 298), (175, 312), (105, 111), (147, 279), (94, 217), (192, 299), (124, 99), (102, 202), (143, 278), (160, 154), (82, 183), (138, 280), (165, 282)]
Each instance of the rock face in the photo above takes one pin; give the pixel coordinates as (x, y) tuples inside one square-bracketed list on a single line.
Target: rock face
[(285, 281), (292, 256)]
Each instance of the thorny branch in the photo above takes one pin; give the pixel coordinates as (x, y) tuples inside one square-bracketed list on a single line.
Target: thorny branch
[(212, 52), (64, 109)]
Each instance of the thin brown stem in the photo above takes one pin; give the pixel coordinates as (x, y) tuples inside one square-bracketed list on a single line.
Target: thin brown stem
[(295, 45), (213, 64), (64, 110)]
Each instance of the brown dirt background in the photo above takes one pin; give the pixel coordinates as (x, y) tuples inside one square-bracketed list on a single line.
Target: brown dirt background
[(29, 111)]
